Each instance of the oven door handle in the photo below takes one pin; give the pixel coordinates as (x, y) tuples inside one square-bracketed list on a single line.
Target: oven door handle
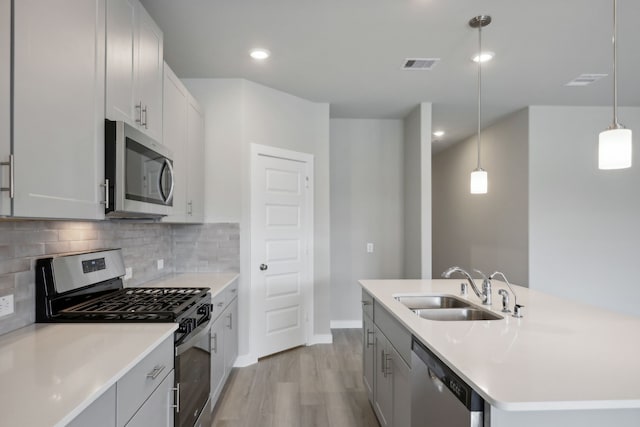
[(195, 336)]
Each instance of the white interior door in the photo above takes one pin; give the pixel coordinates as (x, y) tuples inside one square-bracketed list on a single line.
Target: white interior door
[(281, 230)]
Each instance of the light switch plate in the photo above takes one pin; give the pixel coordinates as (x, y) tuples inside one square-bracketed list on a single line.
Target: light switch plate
[(369, 248), (128, 273), (6, 305), (160, 264)]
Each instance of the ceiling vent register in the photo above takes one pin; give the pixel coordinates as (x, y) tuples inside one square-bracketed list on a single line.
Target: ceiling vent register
[(585, 79), (423, 64)]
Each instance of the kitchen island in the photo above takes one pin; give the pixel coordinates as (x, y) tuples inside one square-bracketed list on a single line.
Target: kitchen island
[(562, 364)]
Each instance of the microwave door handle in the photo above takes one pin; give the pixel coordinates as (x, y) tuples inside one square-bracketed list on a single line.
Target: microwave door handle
[(166, 167)]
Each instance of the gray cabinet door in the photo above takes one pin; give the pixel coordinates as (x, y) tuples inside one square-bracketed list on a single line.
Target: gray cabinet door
[(5, 91), (101, 413), (157, 411), (382, 382), (400, 377), (368, 352), (231, 334), (218, 372)]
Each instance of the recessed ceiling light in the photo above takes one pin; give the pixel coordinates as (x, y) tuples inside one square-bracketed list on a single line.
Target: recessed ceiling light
[(438, 133), (259, 54), (483, 57)]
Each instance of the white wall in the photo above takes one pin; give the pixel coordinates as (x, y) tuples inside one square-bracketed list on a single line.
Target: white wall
[(417, 193), (237, 113), (366, 207), (585, 223), (490, 231)]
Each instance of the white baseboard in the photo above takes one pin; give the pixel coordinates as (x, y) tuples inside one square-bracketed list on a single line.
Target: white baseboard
[(346, 324), (320, 339), (245, 360)]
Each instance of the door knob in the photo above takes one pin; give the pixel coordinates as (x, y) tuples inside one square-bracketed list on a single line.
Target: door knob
[(263, 267)]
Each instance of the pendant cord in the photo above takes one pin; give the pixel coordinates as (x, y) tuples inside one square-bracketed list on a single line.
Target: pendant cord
[(616, 125), (479, 87)]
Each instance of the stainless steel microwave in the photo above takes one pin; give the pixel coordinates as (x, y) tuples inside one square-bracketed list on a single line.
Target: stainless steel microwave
[(138, 174)]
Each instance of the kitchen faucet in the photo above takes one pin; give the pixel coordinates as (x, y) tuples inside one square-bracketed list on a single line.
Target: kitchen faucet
[(485, 294), (517, 308)]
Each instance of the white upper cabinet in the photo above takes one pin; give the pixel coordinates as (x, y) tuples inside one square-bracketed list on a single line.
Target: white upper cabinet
[(183, 129), (58, 108), (5, 117), (134, 67)]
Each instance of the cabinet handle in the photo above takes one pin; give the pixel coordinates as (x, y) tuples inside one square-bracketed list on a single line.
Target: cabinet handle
[(234, 290), (382, 358), (144, 123), (387, 364), (369, 333), (106, 194), (366, 302), (190, 208), (177, 405), (156, 371), (220, 304), (230, 316), (139, 109), (215, 343), (11, 188)]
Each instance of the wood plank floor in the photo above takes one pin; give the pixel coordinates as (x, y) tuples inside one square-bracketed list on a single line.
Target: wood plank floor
[(315, 386)]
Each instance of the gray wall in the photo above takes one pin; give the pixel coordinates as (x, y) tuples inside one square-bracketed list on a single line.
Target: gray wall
[(366, 207), (488, 232), (215, 248), (417, 193), (237, 113), (585, 223)]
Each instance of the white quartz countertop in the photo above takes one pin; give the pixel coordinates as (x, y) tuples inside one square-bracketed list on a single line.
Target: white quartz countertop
[(49, 373), (217, 282), (562, 355)]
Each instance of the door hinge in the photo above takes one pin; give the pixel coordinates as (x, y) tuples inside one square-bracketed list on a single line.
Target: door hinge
[(306, 182)]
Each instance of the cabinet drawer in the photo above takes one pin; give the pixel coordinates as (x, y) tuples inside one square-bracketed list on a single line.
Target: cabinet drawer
[(157, 411), (367, 304), (218, 303), (232, 291), (397, 334), (138, 384)]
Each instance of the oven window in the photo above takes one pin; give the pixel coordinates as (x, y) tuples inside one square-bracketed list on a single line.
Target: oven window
[(193, 368)]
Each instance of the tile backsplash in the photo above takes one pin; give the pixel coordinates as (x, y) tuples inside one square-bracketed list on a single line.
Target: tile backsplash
[(183, 247)]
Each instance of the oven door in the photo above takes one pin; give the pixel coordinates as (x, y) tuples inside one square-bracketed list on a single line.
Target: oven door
[(193, 377)]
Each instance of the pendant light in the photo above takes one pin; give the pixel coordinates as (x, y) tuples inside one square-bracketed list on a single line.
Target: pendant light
[(479, 178), (614, 145)]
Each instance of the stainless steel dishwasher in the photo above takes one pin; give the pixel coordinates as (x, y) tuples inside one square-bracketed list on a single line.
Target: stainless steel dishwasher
[(439, 398)]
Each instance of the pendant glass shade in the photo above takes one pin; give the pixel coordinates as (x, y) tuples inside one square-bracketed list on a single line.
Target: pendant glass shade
[(479, 181), (614, 149)]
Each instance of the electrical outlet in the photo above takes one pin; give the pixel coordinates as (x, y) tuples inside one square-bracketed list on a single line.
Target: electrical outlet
[(369, 248), (128, 273), (6, 305), (160, 264)]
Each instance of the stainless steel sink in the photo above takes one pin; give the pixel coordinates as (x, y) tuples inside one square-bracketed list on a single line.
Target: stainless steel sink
[(457, 314), (419, 302)]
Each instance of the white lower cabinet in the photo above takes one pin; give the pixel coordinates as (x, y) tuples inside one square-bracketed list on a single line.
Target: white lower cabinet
[(386, 373), (143, 397), (224, 339), (157, 411), (217, 358), (101, 413)]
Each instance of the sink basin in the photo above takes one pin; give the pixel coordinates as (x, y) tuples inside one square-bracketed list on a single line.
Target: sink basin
[(419, 302), (457, 314)]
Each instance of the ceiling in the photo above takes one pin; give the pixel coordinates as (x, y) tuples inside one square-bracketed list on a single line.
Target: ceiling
[(349, 53)]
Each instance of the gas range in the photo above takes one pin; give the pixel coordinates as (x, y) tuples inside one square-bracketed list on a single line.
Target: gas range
[(88, 287)]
